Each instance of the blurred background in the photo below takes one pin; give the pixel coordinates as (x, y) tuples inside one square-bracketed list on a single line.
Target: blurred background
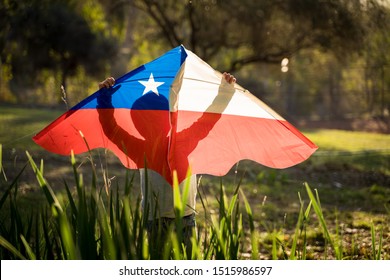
[(324, 65), (317, 63)]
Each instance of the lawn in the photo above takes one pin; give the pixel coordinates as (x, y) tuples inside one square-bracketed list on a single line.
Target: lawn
[(350, 172), (19, 125)]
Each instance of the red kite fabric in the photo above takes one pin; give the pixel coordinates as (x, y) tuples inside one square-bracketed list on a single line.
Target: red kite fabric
[(176, 112)]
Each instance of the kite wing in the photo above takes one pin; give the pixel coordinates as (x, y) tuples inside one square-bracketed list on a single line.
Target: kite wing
[(131, 119), (177, 112), (216, 124)]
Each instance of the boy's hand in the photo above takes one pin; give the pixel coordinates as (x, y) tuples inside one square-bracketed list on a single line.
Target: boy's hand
[(107, 83), (229, 78)]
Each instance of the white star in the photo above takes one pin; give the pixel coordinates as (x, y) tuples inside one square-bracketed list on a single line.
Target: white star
[(151, 85)]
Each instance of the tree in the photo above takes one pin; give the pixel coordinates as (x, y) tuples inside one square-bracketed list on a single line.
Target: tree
[(256, 31), (377, 59), (50, 35)]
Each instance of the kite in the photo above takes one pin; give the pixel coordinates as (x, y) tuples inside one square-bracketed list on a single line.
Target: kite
[(177, 113)]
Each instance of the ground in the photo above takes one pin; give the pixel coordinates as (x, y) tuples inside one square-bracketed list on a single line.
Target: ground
[(353, 198)]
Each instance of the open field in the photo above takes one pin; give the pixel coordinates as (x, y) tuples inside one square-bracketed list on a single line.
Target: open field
[(350, 171)]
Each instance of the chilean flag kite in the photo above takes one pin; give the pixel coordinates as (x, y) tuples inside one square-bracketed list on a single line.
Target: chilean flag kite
[(175, 113)]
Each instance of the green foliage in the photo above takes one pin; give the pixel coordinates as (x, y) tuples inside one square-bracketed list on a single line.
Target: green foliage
[(258, 216), (315, 201), (51, 35), (262, 31), (337, 50), (94, 223)]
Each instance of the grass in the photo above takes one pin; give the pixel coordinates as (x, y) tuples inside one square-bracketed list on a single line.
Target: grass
[(252, 212), (19, 125), (89, 223), (349, 141)]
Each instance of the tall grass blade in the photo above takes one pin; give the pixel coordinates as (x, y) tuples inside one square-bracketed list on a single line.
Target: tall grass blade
[(68, 242), (180, 198), (72, 203), (128, 182), (8, 190), (177, 198), (306, 219), (376, 254), (253, 232), (109, 248), (301, 226), (29, 251), (129, 232), (143, 223), (50, 196), (274, 246), (373, 241), (297, 230), (7, 245), (47, 237), (318, 210)]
